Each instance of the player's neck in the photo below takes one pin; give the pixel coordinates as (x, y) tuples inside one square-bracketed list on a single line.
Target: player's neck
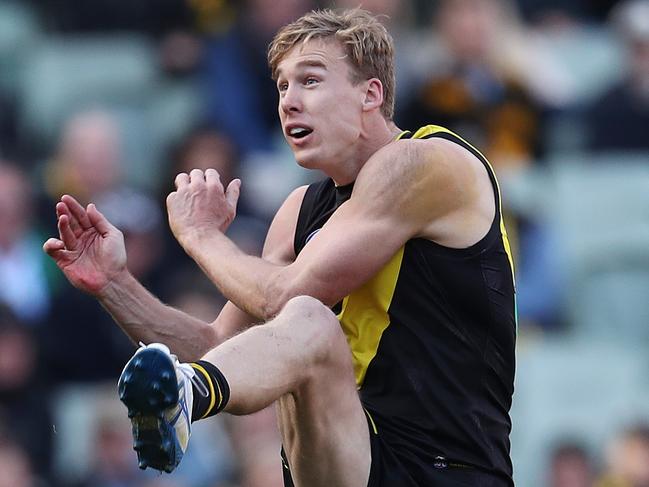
[(374, 137), (376, 134)]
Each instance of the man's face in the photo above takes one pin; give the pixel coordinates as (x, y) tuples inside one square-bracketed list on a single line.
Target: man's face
[(319, 107), (469, 27)]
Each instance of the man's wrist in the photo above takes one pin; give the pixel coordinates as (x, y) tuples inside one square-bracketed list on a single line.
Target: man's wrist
[(116, 286), (199, 239)]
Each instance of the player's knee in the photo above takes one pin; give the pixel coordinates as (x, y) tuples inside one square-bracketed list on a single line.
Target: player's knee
[(318, 328), (305, 306)]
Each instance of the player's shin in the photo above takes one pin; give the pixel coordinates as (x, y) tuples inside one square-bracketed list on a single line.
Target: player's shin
[(211, 390)]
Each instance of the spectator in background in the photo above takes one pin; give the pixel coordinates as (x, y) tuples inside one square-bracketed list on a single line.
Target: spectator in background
[(570, 466), (24, 411), (112, 463), (88, 161), (24, 284), (619, 120), (15, 468), (470, 89), (240, 96), (628, 459)]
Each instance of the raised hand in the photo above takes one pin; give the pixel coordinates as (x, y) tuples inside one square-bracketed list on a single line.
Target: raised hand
[(200, 204), (90, 250)]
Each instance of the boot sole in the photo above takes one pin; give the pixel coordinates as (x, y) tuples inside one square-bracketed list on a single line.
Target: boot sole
[(148, 387)]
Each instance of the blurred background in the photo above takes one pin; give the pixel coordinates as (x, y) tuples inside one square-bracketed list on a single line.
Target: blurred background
[(108, 100)]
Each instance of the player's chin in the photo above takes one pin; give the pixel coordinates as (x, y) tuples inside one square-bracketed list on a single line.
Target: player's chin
[(307, 159), (304, 163)]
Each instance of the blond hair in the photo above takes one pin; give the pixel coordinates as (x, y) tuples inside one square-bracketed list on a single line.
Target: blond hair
[(368, 45)]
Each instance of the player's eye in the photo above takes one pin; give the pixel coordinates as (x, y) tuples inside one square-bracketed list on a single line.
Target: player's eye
[(310, 81), (283, 86)]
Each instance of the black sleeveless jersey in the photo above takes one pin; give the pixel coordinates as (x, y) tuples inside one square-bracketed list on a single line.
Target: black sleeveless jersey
[(432, 336)]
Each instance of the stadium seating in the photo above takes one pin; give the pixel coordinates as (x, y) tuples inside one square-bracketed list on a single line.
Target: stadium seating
[(588, 382), (19, 31), (117, 73), (565, 390)]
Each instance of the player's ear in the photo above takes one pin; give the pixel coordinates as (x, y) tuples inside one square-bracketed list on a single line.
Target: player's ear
[(373, 95)]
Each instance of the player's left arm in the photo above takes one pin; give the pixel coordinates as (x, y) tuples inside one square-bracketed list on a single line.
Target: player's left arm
[(407, 189)]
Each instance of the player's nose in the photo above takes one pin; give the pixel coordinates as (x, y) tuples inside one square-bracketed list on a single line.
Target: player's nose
[(290, 101)]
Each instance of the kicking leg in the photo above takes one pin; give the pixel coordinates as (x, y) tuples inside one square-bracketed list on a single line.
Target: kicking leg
[(302, 359)]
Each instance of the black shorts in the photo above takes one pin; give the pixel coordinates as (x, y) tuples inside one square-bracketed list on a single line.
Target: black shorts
[(388, 471)]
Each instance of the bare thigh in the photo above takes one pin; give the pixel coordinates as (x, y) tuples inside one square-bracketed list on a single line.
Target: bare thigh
[(325, 433), (301, 359)]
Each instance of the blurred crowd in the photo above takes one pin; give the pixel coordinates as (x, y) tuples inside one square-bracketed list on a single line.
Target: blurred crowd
[(107, 101)]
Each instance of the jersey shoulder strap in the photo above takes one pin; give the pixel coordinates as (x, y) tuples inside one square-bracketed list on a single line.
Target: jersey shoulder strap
[(311, 197)]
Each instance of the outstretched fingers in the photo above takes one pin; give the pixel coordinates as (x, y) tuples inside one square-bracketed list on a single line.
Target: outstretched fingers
[(62, 209), (98, 220), (77, 211), (66, 233)]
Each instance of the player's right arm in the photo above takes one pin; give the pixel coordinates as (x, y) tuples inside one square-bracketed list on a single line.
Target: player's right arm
[(90, 251)]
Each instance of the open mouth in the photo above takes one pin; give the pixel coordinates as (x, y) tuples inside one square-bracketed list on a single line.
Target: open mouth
[(299, 132)]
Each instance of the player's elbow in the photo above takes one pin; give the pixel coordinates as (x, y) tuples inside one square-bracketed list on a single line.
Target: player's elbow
[(274, 300), (276, 294), (286, 289)]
